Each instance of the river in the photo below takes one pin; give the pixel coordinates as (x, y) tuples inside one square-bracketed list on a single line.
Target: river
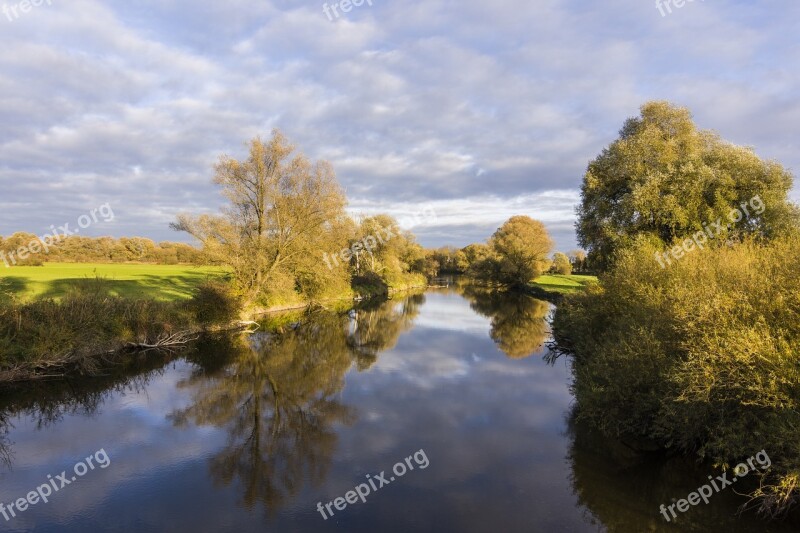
[(282, 430)]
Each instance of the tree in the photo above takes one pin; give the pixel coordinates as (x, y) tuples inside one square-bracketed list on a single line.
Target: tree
[(283, 212), (521, 247), (578, 260), (474, 256), (664, 180), (561, 264)]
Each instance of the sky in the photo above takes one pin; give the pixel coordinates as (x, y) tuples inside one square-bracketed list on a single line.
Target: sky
[(473, 110)]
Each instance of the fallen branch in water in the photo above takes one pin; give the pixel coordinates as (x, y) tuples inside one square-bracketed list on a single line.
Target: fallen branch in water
[(165, 342), (89, 363)]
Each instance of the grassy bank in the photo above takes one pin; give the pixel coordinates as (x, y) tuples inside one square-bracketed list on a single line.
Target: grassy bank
[(554, 287), (51, 325), (48, 337), (561, 284), (127, 280)]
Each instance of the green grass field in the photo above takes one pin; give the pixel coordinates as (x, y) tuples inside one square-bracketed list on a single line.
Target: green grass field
[(53, 280), (564, 284)]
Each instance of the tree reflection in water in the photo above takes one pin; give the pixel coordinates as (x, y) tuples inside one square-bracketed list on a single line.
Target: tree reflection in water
[(376, 328), (519, 322), (620, 487), (278, 398)]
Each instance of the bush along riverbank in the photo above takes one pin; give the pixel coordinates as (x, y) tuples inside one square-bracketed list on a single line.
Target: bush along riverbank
[(701, 357), (47, 337), (88, 327)]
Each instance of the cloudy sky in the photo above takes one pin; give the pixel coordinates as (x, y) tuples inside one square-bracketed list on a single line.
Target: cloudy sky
[(479, 110)]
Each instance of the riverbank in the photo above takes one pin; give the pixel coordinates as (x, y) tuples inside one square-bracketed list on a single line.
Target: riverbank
[(88, 329), (47, 337), (699, 358), (552, 288)]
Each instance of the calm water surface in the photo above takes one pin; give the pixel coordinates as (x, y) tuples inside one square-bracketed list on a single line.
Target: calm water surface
[(249, 433)]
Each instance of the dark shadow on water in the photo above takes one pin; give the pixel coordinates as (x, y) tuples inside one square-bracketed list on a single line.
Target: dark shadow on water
[(622, 489)]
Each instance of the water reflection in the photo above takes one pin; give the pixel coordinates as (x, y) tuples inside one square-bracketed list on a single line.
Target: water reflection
[(278, 397), (519, 322), (278, 405), (47, 403), (621, 489), (375, 327), (281, 419)]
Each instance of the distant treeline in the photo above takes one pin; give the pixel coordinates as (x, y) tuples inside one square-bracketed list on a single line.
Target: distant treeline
[(450, 260), (77, 249)]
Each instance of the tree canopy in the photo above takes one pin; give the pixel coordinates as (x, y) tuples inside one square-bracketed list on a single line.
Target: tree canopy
[(663, 179), (520, 249)]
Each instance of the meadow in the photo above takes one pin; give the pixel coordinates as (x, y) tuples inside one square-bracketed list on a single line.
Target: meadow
[(562, 284), (128, 280)]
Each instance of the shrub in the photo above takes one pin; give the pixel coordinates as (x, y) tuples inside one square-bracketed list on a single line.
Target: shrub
[(703, 355), (86, 322), (370, 284)]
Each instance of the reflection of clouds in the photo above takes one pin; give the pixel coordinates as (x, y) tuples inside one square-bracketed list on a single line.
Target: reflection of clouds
[(442, 313), (133, 431), (423, 369), (428, 357), (492, 427), (496, 428)]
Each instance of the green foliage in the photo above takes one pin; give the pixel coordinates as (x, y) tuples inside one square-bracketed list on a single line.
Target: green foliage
[(701, 356), (516, 254), (578, 260), (663, 179), (80, 249), (83, 324), (449, 260), (284, 211), (286, 237), (370, 284)]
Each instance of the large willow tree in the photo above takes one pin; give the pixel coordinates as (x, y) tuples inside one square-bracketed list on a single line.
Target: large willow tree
[(283, 211), (664, 179)]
